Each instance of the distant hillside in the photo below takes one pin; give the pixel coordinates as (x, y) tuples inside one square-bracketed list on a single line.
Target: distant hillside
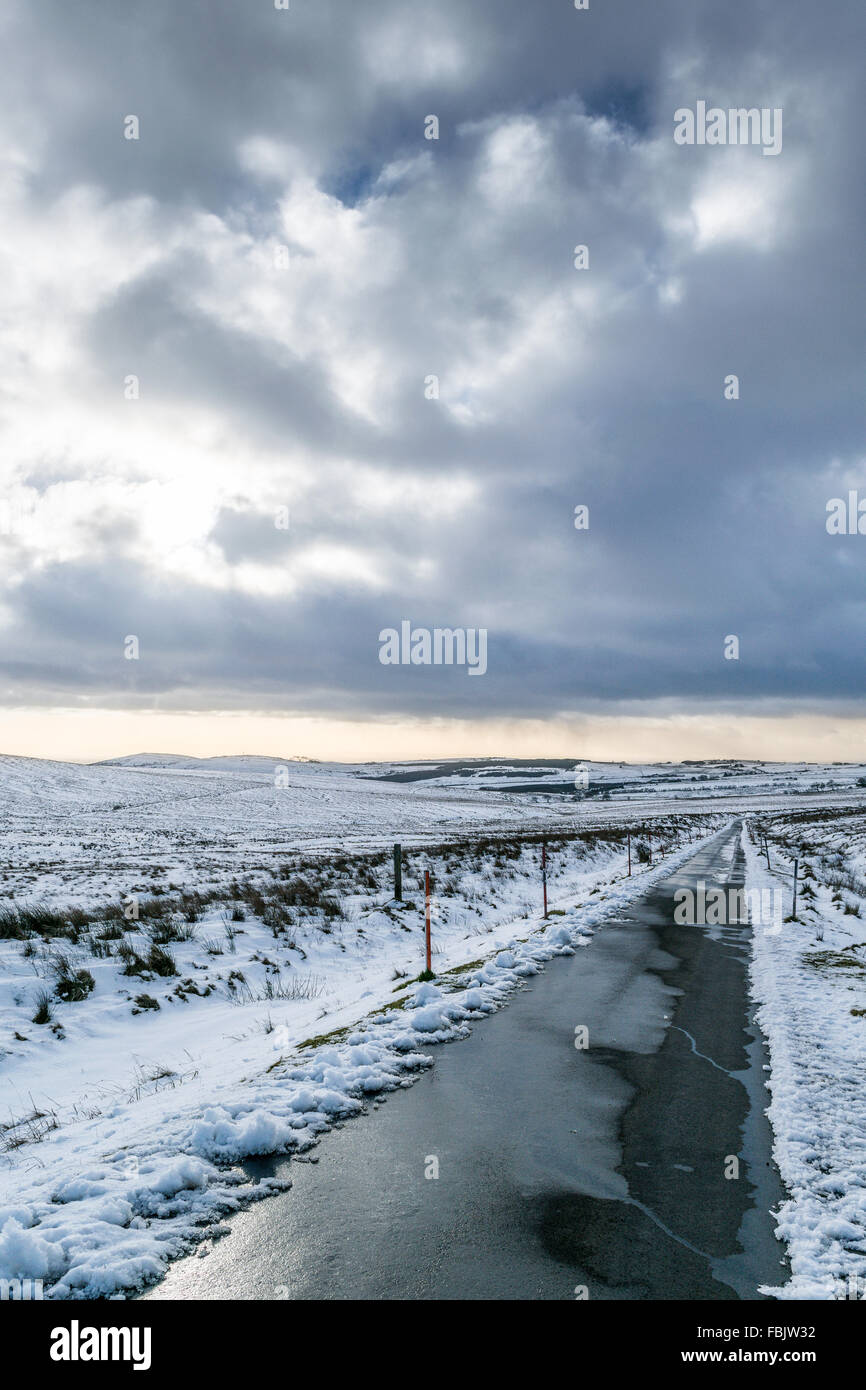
[(240, 762)]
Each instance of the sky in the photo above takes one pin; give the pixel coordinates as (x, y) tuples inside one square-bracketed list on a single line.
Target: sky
[(280, 373)]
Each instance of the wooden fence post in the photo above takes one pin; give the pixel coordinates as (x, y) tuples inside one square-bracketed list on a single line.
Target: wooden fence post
[(398, 874)]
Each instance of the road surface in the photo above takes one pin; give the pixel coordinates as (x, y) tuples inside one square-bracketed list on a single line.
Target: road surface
[(563, 1172)]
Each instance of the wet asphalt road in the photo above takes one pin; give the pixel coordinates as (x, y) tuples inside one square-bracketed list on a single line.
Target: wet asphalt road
[(560, 1169)]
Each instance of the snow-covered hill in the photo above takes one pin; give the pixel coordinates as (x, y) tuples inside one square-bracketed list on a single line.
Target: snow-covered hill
[(81, 832)]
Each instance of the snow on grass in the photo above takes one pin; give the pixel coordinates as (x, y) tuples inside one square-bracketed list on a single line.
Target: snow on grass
[(139, 1170), (77, 834), (809, 980)]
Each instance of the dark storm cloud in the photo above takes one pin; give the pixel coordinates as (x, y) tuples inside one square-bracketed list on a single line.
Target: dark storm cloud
[(338, 78), (181, 356), (707, 516)]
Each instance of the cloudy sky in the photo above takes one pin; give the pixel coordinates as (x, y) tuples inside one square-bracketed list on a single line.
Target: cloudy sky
[(279, 263)]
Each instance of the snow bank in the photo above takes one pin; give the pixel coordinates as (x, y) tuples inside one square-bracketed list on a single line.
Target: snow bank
[(817, 1048)]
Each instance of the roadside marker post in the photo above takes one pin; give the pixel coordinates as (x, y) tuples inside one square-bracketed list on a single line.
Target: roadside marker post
[(544, 874), (628, 833), (427, 915), (398, 874), (794, 910)]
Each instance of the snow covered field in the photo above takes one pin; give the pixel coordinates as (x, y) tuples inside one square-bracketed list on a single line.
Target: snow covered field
[(79, 834), (178, 994), (202, 962), (809, 979)]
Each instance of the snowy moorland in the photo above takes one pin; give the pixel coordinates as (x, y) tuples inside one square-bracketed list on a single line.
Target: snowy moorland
[(202, 961), (166, 1013), (82, 834)]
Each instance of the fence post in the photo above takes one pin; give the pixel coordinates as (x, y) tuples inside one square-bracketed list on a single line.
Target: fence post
[(427, 915), (794, 911), (398, 874), (544, 874)]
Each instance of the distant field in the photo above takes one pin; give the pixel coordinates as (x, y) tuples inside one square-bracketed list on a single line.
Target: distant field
[(79, 833)]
